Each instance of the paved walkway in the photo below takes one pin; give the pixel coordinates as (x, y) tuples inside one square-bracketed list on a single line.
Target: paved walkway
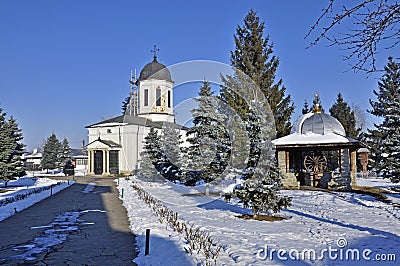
[(108, 241)]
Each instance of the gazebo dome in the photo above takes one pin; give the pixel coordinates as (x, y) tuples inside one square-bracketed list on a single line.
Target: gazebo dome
[(318, 123), (155, 70)]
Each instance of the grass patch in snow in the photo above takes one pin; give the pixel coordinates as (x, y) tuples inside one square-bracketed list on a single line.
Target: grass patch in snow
[(261, 217), (4, 190)]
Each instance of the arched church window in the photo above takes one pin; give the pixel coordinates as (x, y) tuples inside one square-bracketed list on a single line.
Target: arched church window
[(146, 97), (169, 99), (158, 97)]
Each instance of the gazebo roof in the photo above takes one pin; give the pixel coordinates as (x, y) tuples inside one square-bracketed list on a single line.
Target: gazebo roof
[(316, 130), (311, 140)]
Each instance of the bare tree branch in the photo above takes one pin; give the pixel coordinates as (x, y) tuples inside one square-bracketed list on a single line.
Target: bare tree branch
[(373, 23)]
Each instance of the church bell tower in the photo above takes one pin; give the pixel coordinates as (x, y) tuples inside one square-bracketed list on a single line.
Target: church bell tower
[(155, 92)]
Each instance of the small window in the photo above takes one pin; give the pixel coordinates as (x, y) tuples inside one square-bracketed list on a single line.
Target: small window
[(146, 97), (108, 130), (169, 99), (158, 97)]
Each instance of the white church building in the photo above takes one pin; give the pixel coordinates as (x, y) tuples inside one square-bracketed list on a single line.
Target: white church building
[(115, 144)]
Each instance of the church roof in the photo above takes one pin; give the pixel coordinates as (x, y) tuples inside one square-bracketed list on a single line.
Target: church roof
[(134, 120), (155, 70)]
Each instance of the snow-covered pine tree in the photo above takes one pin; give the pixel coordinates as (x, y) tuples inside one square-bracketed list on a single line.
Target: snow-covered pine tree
[(253, 55), (11, 149), (343, 113), (171, 149), (52, 151), (6, 147), (151, 156), (66, 154), (15, 162), (261, 190), (384, 140), (210, 146), (147, 169)]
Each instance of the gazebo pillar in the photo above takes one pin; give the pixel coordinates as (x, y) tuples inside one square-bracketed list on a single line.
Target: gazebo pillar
[(344, 181), (290, 180), (353, 164)]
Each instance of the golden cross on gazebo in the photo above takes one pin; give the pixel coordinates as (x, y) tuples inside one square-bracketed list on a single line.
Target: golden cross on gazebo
[(155, 50)]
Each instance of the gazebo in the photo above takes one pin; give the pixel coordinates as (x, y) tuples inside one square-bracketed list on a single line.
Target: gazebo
[(317, 153)]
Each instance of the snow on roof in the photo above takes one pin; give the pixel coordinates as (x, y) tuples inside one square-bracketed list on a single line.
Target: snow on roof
[(318, 123), (312, 138)]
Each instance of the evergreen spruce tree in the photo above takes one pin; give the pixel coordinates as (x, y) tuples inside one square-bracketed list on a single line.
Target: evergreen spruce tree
[(343, 113), (125, 104), (15, 161), (150, 166), (210, 149), (52, 153), (384, 141), (147, 169), (171, 154), (66, 154), (6, 147), (261, 189), (305, 109), (11, 149), (253, 56)]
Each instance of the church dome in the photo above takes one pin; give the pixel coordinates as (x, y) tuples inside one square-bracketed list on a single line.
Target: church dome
[(318, 123), (155, 70)]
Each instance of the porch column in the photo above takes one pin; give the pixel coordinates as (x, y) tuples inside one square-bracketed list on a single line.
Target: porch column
[(90, 162), (104, 162), (107, 159)]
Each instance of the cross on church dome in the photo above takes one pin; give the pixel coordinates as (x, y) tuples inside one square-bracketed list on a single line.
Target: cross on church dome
[(155, 50)]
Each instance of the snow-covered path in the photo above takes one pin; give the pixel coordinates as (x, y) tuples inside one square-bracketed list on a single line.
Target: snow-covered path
[(316, 221)]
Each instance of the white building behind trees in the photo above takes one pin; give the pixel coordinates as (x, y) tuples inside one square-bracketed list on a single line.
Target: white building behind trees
[(115, 144)]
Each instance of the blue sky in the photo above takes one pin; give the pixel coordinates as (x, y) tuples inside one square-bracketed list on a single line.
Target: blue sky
[(65, 64)]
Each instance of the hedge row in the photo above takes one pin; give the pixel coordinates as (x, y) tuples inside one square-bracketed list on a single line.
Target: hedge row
[(17, 197)]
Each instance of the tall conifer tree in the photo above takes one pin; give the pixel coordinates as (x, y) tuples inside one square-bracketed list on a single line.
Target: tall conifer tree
[(305, 109), (52, 153), (253, 55), (150, 156), (210, 148), (343, 113), (384, 140), (66, 154), (261, 189), (171, 153), (11, 149)]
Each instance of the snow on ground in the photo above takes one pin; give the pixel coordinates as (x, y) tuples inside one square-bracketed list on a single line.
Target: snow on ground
[(165, 245), (23, 186), (321, 228)]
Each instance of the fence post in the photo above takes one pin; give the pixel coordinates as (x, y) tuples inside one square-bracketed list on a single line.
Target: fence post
[(147, 249)]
